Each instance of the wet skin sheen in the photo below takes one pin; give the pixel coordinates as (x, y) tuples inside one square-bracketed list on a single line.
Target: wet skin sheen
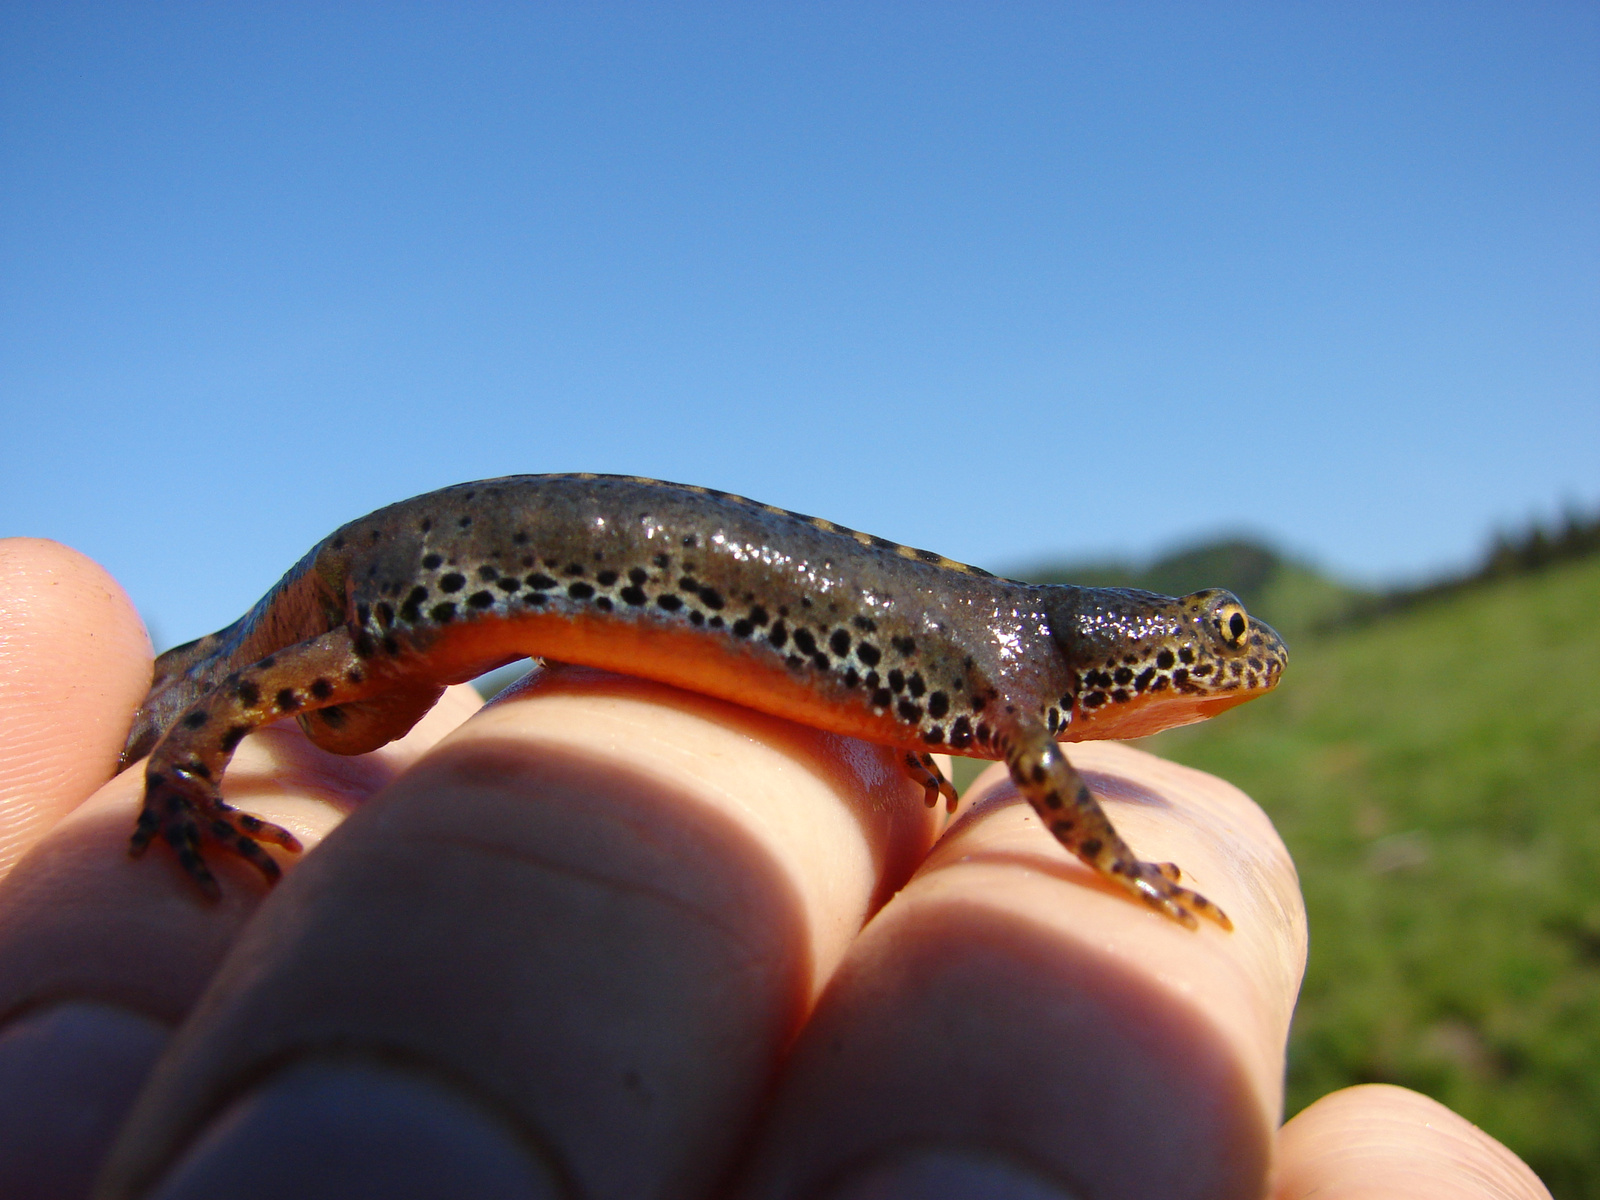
[(789, 614)]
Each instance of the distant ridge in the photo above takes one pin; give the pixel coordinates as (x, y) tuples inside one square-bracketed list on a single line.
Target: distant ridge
[(1297, 599), (1435, 773), (1534, 549), (1290, 596)]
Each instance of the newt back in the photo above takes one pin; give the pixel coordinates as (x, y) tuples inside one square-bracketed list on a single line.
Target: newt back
[(783, 612)]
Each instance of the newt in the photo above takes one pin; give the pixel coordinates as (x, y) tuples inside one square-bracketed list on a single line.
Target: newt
[(785, 613)]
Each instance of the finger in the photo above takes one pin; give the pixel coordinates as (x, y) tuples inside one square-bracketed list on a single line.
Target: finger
[(1379, 1141), (1010, 1021), (586, 927), (80, 918), (100, 955), (74, 662)]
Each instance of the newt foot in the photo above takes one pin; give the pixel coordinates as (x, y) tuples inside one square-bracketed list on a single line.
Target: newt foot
[(185, 818)]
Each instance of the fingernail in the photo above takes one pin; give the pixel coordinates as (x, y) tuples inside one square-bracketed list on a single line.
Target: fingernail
[(67, 1076), (935, 1174), (340, 1129)]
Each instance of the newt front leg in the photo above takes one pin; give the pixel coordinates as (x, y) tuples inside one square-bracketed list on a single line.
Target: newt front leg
[(183, 803), (1069, 810), (925, 773)]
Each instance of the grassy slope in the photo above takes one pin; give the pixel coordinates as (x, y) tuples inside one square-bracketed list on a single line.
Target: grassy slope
[(1287, 595), (1437, 777)]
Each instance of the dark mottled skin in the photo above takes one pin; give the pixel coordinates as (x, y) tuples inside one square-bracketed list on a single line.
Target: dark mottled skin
[(785, 613)]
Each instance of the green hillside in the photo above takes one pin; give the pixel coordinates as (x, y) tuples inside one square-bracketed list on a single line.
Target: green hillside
[(1436, 774), (1287, 595), (1433, 761)]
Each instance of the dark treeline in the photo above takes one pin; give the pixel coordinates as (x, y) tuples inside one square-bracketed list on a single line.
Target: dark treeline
[(1520, 553)]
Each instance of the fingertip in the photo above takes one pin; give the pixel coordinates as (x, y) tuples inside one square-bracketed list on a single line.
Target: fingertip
[(1012, 999), (74, 664), (349, 1128), (84, 915), (689, 871), (1377, 1141), (68, 1072)]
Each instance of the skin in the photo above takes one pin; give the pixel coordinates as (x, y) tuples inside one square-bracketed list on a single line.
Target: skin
[(611, 939), (787, 614)]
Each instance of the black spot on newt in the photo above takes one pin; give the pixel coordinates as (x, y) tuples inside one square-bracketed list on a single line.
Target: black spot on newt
[(981, 665)]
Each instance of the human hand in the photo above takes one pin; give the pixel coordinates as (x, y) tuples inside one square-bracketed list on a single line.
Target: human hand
[(607, 939)]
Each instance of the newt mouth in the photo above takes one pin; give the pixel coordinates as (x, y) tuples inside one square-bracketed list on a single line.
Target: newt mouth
[(1140, 716)]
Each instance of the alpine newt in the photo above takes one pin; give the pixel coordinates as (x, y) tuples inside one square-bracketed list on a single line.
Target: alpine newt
[(789, 614)]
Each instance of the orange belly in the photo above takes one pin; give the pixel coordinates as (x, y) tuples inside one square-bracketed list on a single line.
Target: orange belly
[(710, 663)]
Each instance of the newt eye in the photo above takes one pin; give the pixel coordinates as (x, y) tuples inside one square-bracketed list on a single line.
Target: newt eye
[(1232, 624)]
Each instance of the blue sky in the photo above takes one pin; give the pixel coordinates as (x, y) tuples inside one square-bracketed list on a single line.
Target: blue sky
[(1010, 282)]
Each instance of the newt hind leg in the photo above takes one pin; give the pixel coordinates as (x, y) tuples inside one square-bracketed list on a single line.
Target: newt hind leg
[(1069, 810), (924, 771), (361, 726), (182, 820), (183, 804)]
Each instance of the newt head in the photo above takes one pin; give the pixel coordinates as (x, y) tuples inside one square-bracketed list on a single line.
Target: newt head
[(1143, 662)]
